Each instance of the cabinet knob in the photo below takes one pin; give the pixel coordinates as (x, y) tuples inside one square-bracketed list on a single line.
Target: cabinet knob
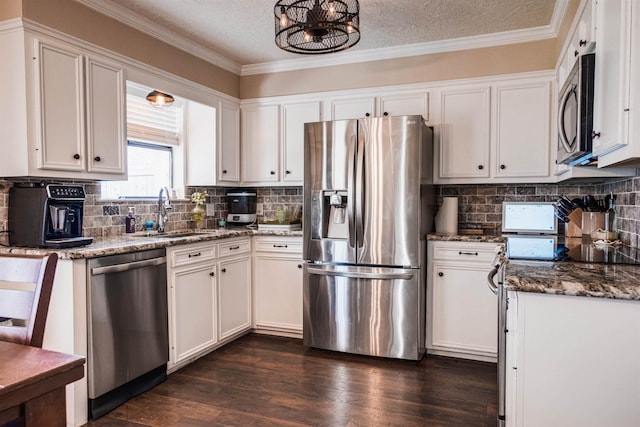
[(299, 265), (385, 114), (224, 270), (595, 134), (288, 172), (272, 172), (503, 167), (576, 53), (212, 274), (582, 43), (224, 171), (367, 114), (97, 158), (441, 274), (76, 156), (480, 167)]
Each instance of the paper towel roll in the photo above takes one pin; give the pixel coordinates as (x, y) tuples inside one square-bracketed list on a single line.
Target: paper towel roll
[(447, 216)]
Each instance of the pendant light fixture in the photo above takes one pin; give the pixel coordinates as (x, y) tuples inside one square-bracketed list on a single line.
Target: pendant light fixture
[(159, 99), (317, 26)]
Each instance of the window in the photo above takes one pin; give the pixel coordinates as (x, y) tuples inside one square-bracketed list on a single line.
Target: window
[(154, 144)]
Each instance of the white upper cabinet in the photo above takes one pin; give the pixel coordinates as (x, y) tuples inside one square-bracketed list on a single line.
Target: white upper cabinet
[(200, 140), (228, 142), (352, 108), (404, 105), (260, 142), (464, 132), (67, 118), (294, 116), (522, 130)]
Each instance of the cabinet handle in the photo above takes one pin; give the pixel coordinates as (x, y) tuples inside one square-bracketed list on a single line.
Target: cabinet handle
[(576, 53), (224, 270), (595, 134), (441, 274), (503, 167), (385, 114), (272, 173), (468, 253), (280, 246), (224, 171), (233, 248), (480, 167), (288, 172), (299, 265), (97, 158), (76, 156), (582, 43), (367, 114), (194, 255), (212, 274)]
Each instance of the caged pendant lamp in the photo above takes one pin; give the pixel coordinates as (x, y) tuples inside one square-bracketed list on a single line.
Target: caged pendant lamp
[(317, 26), (160, 99)]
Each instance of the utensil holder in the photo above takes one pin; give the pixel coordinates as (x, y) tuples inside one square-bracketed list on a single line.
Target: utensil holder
[(592, 221)]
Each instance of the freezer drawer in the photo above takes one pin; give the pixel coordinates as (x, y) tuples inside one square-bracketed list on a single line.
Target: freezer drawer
[(373, 311)]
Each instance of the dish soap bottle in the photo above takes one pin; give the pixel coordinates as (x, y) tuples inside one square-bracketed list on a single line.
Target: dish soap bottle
[(130, 222)]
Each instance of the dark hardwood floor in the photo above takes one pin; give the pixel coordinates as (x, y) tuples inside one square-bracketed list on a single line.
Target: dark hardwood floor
[(270, 381)]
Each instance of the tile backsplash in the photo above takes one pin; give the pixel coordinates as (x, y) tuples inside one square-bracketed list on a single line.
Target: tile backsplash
[(478, 204)]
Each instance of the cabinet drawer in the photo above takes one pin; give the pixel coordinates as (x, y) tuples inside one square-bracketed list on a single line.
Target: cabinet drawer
[(233, 247), (483, 253), (280, 245), (189, 254)]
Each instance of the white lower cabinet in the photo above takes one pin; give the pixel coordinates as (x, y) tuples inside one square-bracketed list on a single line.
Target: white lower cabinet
[(461, 310), (209, 291), (572, 361), (277, 285)]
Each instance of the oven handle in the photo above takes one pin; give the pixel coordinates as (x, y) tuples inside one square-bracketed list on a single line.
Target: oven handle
[(561, 132)]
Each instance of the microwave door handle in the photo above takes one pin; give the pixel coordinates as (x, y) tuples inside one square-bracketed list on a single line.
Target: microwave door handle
[(561, 132)]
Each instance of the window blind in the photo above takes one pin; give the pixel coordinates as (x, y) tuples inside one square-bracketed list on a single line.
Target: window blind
[(151, 124)]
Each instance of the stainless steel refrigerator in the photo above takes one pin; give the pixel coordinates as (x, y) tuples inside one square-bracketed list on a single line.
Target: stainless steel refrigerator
[(367, 209)]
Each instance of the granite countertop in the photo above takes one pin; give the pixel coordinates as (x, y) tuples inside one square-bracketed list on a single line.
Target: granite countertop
[(616, 281), (477, 238), (140, 242)]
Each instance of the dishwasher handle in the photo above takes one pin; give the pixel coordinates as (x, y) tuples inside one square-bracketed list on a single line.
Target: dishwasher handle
[(128, 266)]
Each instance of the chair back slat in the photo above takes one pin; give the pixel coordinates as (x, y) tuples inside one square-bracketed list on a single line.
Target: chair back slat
[(26, 283)]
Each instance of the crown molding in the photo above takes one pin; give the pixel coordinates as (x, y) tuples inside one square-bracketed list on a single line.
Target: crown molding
[(474, 42), (10, 25), (150, 28)]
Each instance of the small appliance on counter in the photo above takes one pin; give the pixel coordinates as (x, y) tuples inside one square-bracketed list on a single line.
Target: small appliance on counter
[(241, 206), (46, 215)]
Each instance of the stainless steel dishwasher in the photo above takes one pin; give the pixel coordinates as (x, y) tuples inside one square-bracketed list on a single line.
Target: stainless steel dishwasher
[(128, 327)]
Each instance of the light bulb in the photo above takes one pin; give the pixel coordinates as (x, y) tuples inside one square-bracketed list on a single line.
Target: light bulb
[(307, 37), (284, 21), (331, 8), (350, 27)]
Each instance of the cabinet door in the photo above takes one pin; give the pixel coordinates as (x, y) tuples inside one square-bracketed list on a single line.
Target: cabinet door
[(464, 133), (106, 117), (405, 105), (260, 140), (464, 309), (278, 293), (522, 135), (234, 296), (200, 143), (193, 307), (229, 142), (60, 107), (344, 109), (294, 116), (611, 91)]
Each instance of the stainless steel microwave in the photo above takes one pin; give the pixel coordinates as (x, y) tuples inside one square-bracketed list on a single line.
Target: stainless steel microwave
[(575, 114)]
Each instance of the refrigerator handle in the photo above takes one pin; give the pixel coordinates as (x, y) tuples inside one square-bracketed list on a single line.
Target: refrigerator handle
[(360, 275), (351, 199), (360, 187)]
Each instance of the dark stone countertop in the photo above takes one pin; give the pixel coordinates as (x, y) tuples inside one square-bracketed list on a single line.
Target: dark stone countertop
[(476, 238)]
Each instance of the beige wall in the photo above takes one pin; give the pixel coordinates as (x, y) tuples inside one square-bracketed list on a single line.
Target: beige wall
[(533, 56), (77, 20), (10, 9)]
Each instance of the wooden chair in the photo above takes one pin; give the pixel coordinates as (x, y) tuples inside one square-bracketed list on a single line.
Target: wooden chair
[(25, 290)]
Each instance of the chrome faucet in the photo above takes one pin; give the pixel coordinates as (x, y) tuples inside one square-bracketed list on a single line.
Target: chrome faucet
[(163, 206)]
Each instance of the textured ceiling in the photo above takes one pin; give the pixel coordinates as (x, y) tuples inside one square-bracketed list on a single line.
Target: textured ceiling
[(243, 30)]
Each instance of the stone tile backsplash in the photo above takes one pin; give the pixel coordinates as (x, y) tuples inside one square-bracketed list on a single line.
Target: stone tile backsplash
[(479, 205)]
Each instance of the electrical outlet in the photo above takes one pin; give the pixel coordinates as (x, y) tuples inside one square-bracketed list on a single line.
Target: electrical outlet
[(259, 209), (211, 209)]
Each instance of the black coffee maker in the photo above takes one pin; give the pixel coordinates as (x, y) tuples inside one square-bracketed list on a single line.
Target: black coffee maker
[(46, 215)]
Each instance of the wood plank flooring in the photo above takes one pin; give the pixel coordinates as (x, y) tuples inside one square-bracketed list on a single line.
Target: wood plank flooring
[(261, 380)]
